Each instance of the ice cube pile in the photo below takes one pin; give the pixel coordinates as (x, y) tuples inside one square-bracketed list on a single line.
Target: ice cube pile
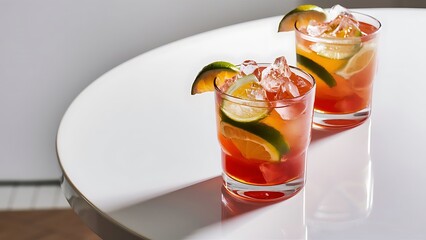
[(342, 25), (275, 82)]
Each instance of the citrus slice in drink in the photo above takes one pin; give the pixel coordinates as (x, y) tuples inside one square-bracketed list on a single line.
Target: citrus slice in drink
[(256, 140), (204, 80), (336, 51), (245, 107), (317, 69), (301, 16), (358, 62)]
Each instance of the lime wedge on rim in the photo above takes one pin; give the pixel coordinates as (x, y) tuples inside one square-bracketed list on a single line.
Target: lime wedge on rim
[(240, 110), (255, 140), (302, 15), (358, 62), (204, 80)]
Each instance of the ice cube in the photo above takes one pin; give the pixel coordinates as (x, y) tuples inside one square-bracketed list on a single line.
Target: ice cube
[(275, 75), (256, 92), (301, 83), (343, 24), (288, 90), (269, 82), (228, 82), (273, 172), (276, 80), (250, 67), (337, 10), (280, 64), (317, 29), (292, 111), (292, 88)]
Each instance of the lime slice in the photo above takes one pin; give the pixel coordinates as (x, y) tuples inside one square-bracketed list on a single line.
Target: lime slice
[(335, 51), (358, 62), (245, 111), (302, 15), (241, 85), (204, 80), (317, 69), (255, 140)]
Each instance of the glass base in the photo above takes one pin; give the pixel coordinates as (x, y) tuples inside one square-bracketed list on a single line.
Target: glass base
[(340, 121), (262, 193)]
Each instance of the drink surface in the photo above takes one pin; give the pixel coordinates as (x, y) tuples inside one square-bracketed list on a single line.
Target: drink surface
[(272, 149), (347, 88)]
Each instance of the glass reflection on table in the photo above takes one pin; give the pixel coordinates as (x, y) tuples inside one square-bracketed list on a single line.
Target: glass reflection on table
[(339, 190), (338, 193), (242, 219)]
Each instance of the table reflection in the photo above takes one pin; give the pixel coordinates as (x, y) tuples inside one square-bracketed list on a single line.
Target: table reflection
[(339, 192), (243, 219), (339, 188)]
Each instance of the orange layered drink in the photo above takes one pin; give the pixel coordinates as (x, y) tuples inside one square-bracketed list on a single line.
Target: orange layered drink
[(340, 51), (264, 117)]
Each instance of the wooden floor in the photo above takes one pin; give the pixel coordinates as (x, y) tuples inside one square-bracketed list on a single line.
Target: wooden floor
[(57, 224)]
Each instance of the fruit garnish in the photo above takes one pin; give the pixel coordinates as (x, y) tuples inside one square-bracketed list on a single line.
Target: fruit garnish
[(204, 80), (335, 51), (246, 88), (358, 62), (343, 27), (255, 140), (301, 16), (317, 69)]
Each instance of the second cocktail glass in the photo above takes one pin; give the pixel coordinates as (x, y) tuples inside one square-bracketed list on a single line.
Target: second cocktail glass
[(341, 55)]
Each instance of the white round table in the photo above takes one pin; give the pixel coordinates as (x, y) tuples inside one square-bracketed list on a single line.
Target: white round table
[(140, 158)]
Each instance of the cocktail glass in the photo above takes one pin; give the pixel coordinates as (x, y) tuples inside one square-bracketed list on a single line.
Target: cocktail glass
[(344, 68), (264, 152)]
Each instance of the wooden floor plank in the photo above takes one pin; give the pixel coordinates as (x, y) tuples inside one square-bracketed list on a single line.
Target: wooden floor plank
[(43, 225)]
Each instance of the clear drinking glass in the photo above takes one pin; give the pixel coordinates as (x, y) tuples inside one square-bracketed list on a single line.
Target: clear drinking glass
[(263, 158), (344, 68)]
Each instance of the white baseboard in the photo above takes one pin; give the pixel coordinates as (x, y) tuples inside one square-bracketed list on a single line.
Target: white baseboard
[(31, 197)]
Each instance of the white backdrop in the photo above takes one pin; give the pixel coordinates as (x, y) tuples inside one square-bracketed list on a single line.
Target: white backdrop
[(50, 50)]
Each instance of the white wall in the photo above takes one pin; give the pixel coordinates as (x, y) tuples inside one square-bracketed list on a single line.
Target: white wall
[(50, 50)]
